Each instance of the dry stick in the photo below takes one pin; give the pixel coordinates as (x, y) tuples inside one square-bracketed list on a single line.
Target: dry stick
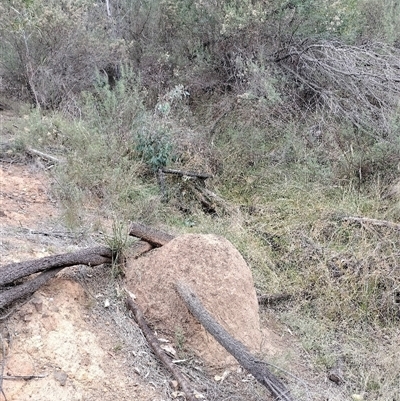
[(28, 288), (149, 234), (273, 299), (181, 173), (375, 222), (3, 363), (91, 256), (152, 340), (30, 377), (44, 156), (233, 346)]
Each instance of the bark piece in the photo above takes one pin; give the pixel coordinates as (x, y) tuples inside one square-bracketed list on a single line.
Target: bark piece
[(161, 355), (151, 235), (248, 361), (91, 256), (28, 288)]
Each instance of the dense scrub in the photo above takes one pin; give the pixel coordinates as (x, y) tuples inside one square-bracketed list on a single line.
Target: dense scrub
[(293, 106)]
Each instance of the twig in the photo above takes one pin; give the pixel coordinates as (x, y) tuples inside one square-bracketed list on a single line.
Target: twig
[(3, 362), (152, 340), (375, 222), (30, 377)]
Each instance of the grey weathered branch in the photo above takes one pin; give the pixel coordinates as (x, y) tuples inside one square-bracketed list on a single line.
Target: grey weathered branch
[(44, 156), (274, 298), (256, 367), (151, 235), (374, 222), (9, 296), (181, 173), (161, 355), (91, 256)]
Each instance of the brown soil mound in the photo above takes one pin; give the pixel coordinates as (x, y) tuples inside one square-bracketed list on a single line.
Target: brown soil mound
[(220, 277)]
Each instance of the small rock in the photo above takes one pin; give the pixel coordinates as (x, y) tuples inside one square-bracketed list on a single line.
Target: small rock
[(61, 377), (38, 304), (335, 377)]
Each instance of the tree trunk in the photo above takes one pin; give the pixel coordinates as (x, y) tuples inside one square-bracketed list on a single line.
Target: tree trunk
[(154, 237), (256, 367), (91, 256)]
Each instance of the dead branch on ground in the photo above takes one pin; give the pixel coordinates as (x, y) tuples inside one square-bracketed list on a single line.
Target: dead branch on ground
[(151, 235), (45, 156), (9, 296), (91, 256), (256, 367), (274, 299), (161, 355), (181, 173), (374, 222)]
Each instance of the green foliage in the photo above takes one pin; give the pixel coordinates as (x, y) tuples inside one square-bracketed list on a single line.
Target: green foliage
[(154, 148)]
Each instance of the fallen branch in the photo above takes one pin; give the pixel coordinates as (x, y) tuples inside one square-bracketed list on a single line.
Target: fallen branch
[(256, 367), (202, 176), (91, 256), (30, 377), (44, 156), (162, 356), (28, 288), (375, 222), (151, 235), (273, 299)]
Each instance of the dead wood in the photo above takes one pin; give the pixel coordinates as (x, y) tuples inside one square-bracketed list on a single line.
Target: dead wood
[(28, 288), (375, 222), (161, 355), (44, 156), (202, 176), (151, 235), (274, 298), (91, 256), (256, 367)]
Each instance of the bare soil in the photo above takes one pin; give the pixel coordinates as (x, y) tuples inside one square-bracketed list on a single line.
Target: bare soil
[(76, 335)]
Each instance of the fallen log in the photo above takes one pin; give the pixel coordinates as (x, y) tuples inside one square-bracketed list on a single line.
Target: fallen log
[(9, 296), (151, 235), (161, 355), (248, 361), (91, 256)]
